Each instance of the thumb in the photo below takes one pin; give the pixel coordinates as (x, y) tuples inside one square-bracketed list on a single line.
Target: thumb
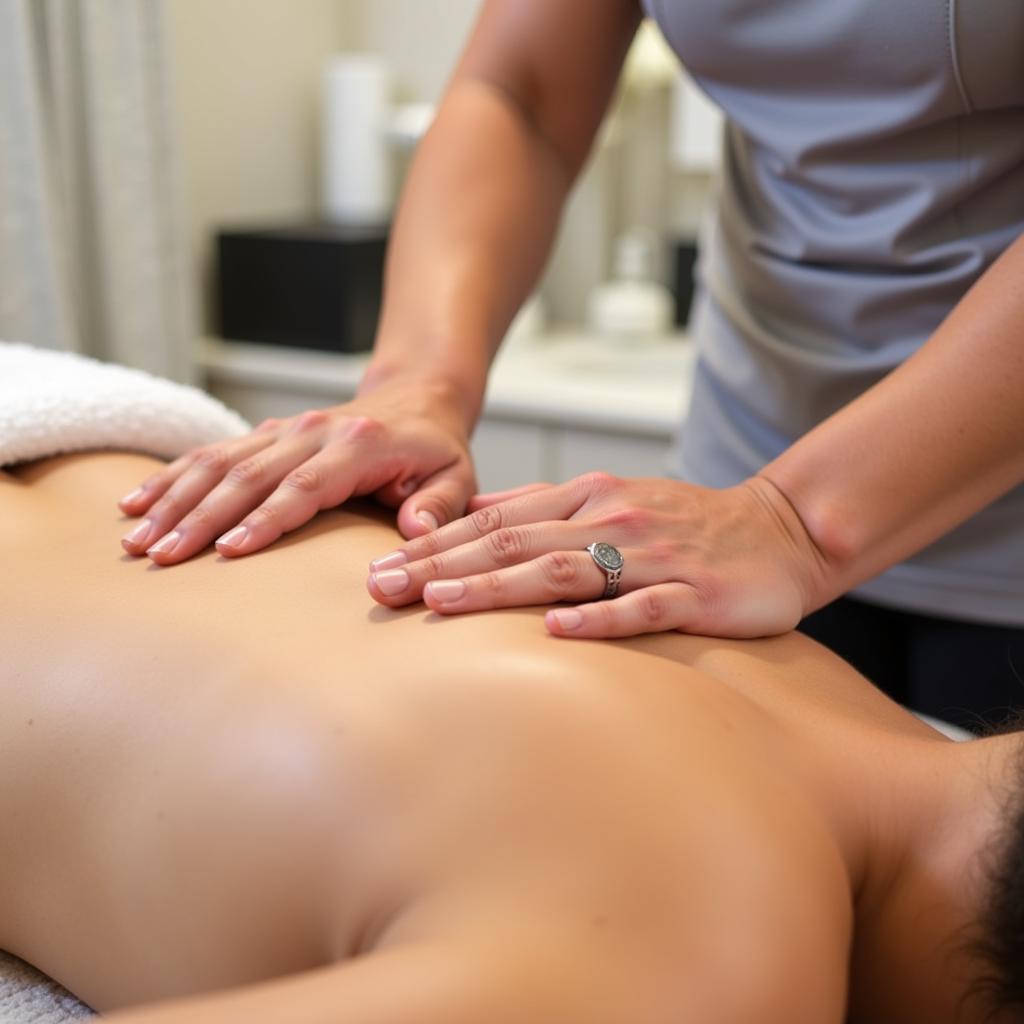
[(441, 499)]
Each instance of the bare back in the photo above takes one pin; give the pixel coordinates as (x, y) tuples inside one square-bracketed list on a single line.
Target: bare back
[(234, 770)]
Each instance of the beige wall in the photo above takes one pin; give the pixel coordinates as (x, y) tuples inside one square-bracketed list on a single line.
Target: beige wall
[(247, 83), (247, 96), (420, 38), (248, 76), (422, 41)]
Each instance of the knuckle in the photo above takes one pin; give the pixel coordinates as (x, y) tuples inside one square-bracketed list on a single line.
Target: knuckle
[(629, 520), (169, 507), (490, 583), (200, 517), (247, 473), (212, 459), (599, 482), (312, 419), (425, 548), (486, 520), (662, 553), (652, 607), (361, 428), (506, 546), (265, 515), (561, 570), (434, 567), (305, 480)]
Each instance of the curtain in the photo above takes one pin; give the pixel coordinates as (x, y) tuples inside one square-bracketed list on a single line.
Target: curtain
[(92, 241)]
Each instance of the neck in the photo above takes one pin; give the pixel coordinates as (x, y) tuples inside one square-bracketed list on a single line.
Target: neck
[(924, 879)]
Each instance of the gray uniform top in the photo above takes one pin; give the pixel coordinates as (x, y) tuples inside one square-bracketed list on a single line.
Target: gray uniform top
[(873, 169)]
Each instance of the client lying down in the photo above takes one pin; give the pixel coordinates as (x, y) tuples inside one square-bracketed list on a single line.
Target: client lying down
[(242, 788), (243, 792)]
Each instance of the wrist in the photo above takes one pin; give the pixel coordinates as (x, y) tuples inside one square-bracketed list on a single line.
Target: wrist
[(432, 393), (446, 367), (820, 566)]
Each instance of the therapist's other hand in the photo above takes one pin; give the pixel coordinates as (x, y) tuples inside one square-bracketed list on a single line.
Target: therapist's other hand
[(399, 443), (731, 563)]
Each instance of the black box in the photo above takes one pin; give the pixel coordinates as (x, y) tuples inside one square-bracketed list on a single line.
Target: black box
[(308, 286), (684, 262)]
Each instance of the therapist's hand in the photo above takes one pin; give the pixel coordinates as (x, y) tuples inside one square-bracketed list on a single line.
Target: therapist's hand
[(401, 443), (730, 563)]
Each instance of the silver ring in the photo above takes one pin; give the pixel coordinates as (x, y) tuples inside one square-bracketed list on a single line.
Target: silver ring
[(610, 561)]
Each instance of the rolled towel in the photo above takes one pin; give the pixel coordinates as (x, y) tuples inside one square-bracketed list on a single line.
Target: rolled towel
[(57, 402)]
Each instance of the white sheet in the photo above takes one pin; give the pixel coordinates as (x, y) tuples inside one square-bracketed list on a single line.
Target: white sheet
[(28, 997)]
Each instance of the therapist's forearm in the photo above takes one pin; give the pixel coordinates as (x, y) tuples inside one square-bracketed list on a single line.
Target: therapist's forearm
[(474, 228), (938, 439)]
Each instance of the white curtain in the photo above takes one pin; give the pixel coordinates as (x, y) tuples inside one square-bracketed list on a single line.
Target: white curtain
[(92, 243)]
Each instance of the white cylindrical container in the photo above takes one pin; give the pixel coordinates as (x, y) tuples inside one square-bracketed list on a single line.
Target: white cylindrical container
[(357, 181), (695, 138), (633, 306)]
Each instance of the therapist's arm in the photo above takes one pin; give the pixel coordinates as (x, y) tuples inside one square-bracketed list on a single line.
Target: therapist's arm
[(935, 441), (480, 209)]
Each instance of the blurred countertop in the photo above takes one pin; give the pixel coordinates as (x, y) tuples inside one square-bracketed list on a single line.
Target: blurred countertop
[(563, 378)]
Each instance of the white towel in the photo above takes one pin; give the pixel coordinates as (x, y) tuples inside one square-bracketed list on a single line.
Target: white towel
[(28, 997), (55, 402)]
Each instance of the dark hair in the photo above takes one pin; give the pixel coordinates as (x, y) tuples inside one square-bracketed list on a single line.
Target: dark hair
[(998, 943)]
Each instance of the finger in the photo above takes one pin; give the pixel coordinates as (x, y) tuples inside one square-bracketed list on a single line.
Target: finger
[(395, 582), (439, 500), (651, 609), (496, 497), (181, 485), (191, 516), (138, 501), (325, 480), (556, 576), (551, 504)]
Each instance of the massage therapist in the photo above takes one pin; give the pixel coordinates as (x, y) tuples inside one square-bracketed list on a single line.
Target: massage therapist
[(858, 416)]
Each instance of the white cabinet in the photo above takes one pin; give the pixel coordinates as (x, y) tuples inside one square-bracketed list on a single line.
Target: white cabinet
[(558, 409)]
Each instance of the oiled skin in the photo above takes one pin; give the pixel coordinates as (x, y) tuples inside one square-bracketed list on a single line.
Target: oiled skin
[(229, 771)]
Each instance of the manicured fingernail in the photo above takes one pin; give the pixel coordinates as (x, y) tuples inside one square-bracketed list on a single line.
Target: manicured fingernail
[(139, 535), (233, 538), (446, 591), (392, 561), (428, 519), (391, 583), (567, 619), (130, 499), (165, 545)]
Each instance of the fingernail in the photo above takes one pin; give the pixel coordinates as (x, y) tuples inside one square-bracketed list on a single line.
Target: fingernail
[(391, 583), (139, 535), (130, 499), (392, 561), (567, 619), (165, 545), (233, 538), (406, 488), (428, 519), (447, 591)]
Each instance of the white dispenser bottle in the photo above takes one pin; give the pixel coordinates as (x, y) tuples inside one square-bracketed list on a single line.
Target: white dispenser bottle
[(633, 306)]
